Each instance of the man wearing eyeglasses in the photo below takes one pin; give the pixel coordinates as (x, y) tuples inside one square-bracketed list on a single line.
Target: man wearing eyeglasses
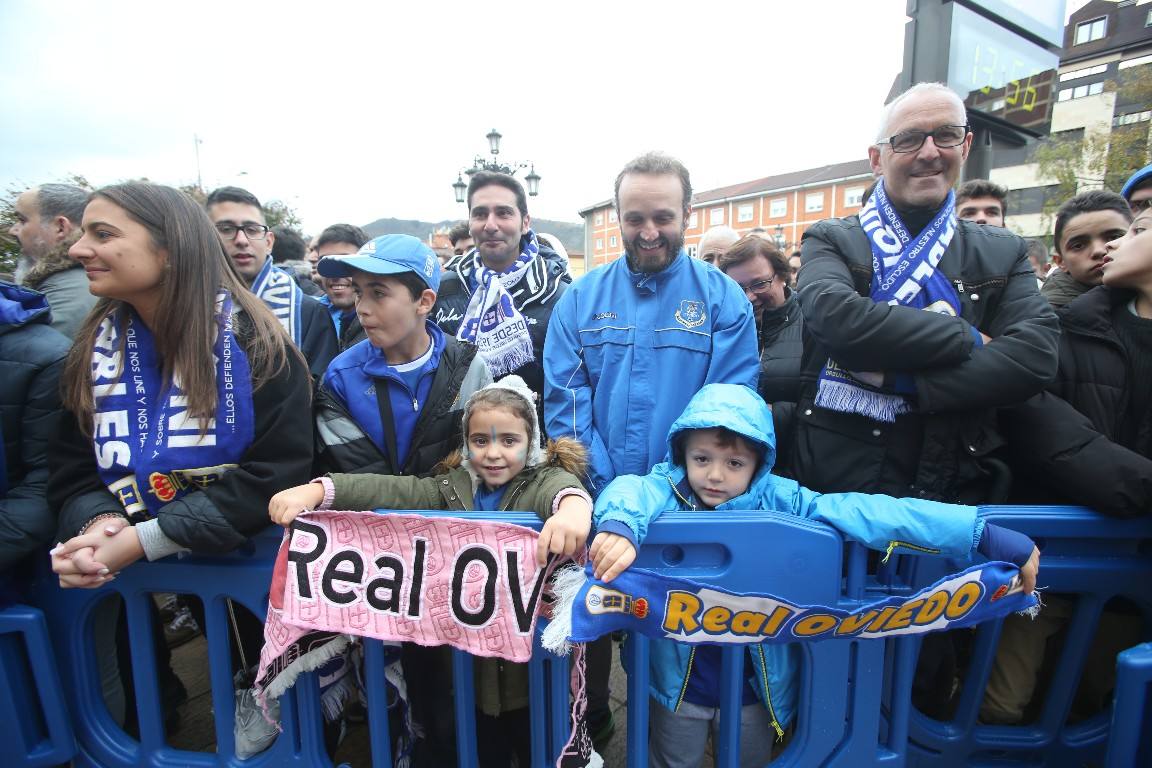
[(239, 220), (919, 326), (896, 399), (1138, 190)]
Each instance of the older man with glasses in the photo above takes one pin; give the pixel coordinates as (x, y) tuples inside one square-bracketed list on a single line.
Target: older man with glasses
[(239, 220), (919, 326)]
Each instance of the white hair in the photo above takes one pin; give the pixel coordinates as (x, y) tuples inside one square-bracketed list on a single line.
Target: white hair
[(919, 89)]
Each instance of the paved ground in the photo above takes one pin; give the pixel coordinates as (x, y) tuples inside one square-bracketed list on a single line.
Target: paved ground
[(196, 732)]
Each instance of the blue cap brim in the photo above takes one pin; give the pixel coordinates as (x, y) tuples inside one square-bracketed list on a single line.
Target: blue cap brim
[(342, 266)]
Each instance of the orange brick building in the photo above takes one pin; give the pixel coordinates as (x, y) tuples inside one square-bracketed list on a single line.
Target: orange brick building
[(785, 205)]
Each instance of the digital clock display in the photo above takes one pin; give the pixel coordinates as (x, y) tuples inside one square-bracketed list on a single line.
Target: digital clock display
[(999, 73)]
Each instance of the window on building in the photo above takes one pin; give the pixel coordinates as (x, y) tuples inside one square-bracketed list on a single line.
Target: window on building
[(691, 249), (1088, 31), (778, 207), (1080, 91), (612, 241), (1076, 74), (599, 219), (715, 216), (692, 220), (1132, 117), (744, 212), (612, 216), (599, 244), (1148, 19), (813, 202), (853, 196), (1138, 61)]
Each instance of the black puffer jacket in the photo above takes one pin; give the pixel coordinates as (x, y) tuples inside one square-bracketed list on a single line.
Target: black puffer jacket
[(342, 445), (220, 517), (1068, 444), (32, 354), (535, 296), (781, 348), (946, 449)]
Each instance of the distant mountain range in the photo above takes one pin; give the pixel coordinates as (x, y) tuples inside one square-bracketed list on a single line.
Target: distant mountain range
[(572, 235)]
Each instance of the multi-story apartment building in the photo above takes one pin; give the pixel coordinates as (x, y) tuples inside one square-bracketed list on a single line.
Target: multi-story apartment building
[(1104, 43), (784, 205)]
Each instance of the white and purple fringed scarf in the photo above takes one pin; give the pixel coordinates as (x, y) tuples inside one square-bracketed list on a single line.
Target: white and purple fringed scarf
[(492, 322), (903, 273)]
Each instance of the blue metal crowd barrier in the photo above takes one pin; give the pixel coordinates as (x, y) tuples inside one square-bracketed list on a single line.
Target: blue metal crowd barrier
[(32, 702), (853, 707), (1087, 556), (1132, 712)]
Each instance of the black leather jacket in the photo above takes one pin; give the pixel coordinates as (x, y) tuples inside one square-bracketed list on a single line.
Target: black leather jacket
[(948, 448)]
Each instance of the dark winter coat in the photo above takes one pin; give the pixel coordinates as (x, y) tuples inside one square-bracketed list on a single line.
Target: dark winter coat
[(343, 446), (1067, 443), (947, 448), (33, 355), (781, 339), (220, 517)]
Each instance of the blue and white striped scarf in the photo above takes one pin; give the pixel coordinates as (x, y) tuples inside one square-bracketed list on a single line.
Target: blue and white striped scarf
[(903, 273), (149, 450), (279, 291)]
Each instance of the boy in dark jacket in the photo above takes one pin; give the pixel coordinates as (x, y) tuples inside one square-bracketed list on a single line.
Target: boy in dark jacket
[(392, 405), (1087, 440)]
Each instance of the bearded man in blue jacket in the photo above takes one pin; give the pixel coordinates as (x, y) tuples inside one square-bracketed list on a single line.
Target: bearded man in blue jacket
[(631, 343)]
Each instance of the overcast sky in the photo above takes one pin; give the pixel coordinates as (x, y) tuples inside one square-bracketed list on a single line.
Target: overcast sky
[(351, 113)]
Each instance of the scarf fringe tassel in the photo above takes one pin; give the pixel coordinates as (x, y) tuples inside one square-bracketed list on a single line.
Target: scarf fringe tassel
[(566, 585)]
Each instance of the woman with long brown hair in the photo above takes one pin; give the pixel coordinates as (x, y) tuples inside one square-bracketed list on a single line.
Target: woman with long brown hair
[(188, 406)]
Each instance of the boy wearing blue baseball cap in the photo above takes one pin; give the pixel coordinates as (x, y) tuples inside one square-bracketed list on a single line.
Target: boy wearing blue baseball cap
[(405, 384), (392, 404)]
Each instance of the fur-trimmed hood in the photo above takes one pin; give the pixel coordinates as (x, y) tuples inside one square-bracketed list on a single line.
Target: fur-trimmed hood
[(55, 261)]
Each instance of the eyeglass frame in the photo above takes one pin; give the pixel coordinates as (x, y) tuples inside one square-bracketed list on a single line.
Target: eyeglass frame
[(756, 286), (924, 137), (237, 228)]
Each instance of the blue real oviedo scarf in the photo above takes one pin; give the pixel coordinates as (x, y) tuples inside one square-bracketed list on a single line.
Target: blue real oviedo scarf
[(690, 612), (279, 291), (903, 273), (149, 451)]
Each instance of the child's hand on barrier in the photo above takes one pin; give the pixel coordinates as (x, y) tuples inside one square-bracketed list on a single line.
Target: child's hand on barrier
[(80, 562), (567, 530), (284, 506), (611, 555)]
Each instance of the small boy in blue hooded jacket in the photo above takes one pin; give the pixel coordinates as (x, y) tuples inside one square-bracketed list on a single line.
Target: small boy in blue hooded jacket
[(721, 452)]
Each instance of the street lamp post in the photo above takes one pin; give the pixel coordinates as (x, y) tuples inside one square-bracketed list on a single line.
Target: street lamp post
[(481, 163), (779, 236)]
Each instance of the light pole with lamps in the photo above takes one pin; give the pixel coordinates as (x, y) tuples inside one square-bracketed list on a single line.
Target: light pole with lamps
[(481, 163)]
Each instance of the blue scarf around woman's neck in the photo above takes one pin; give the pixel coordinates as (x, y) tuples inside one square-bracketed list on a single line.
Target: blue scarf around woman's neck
[(149, 450)]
